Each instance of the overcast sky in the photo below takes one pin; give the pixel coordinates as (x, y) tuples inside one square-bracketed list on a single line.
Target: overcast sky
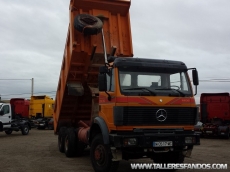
[(33, 34)]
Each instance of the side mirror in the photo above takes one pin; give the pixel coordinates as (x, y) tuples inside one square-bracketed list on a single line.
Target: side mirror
[(103, 69), (195, 77), (102, 82)]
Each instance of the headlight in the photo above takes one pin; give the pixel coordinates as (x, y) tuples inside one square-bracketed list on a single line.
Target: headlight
[(190, 140), (130, 141)]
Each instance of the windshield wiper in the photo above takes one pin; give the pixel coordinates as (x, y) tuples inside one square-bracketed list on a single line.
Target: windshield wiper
[(141, 88), (180, 92)]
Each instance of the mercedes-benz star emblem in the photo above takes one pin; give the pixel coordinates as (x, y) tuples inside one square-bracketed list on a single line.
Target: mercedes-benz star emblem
[(161, 115)]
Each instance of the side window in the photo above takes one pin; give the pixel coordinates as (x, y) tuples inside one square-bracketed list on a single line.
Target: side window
[(125, 79), (110, 81), (175, 81), (178, 81), (184, 85), (6, 109)]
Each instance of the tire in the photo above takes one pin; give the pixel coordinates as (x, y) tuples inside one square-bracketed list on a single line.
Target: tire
[(70, 143), (50, 128), (8, 132), (101, 156), (61, 139), (25, 130), (88, 24), (169, 157), (228, 134)]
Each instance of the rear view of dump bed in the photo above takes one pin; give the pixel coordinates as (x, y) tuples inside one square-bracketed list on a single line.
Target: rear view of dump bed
[(84, 54)]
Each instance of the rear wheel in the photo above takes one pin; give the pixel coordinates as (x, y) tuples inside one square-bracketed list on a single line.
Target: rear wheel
[(8, 132), (228, 134), (101, 156), (61, 139), (25, 130), (70, 143)]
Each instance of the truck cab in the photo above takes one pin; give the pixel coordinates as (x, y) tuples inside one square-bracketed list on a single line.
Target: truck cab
[(5, 115), (147, 104), (8, 123)]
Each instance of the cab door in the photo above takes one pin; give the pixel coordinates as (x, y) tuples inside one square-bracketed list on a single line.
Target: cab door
[(5, 116)]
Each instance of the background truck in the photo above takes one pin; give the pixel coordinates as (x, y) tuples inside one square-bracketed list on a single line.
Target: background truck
[(41, 111), (41, 107), (215, 114), (122, 107), (21, 107), (9, 123)]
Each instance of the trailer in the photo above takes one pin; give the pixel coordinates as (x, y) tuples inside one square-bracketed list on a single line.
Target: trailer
[(121, 107), (215, 114)]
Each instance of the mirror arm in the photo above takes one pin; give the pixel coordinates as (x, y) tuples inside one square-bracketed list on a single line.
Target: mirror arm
[(195, 90), (109, 96)]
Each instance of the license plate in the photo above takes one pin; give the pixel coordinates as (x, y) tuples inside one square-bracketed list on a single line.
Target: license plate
[(222, 133), (162, 144), (209, 132)]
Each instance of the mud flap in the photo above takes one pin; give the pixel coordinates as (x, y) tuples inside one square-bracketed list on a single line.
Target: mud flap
[(117, 154), (187, 153)]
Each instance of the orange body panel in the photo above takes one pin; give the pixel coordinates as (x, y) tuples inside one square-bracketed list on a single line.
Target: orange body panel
[(81, 65), (106, 107)]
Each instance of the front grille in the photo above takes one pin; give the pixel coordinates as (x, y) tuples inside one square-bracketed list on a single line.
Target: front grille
[(147, 116)]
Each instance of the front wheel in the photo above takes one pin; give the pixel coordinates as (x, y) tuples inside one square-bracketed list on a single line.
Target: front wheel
[(25, 130), (8, 132), (101, 156)]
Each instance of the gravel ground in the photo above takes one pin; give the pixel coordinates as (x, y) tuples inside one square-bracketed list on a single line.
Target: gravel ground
[(38, 152)]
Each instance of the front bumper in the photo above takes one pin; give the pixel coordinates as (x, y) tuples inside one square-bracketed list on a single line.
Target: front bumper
[(147, 138)]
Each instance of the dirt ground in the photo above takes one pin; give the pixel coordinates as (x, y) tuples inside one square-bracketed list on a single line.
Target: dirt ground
[(38, 152)]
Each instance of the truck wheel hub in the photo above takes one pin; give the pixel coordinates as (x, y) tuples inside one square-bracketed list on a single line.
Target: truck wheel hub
[(99, 154)]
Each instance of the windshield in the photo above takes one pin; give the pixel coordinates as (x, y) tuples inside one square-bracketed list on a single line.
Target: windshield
[(148, 81)]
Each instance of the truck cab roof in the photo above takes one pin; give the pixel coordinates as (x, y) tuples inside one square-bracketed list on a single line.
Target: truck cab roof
[(144, 62)]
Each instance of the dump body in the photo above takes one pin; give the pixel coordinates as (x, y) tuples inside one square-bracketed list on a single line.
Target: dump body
[(41, 107), (215, 113), (84, 54), (21, 107)]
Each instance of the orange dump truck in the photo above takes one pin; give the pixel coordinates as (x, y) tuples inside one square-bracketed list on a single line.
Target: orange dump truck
[(120, 106)]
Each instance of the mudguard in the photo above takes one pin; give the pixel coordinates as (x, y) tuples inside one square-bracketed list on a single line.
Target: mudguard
[(99, 122)]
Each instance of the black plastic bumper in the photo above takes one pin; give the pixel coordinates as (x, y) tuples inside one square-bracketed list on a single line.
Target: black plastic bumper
[(145, 138)]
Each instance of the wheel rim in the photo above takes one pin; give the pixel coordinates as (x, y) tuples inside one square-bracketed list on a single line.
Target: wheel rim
[(25, 129), (66, 144), (100, 155)]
